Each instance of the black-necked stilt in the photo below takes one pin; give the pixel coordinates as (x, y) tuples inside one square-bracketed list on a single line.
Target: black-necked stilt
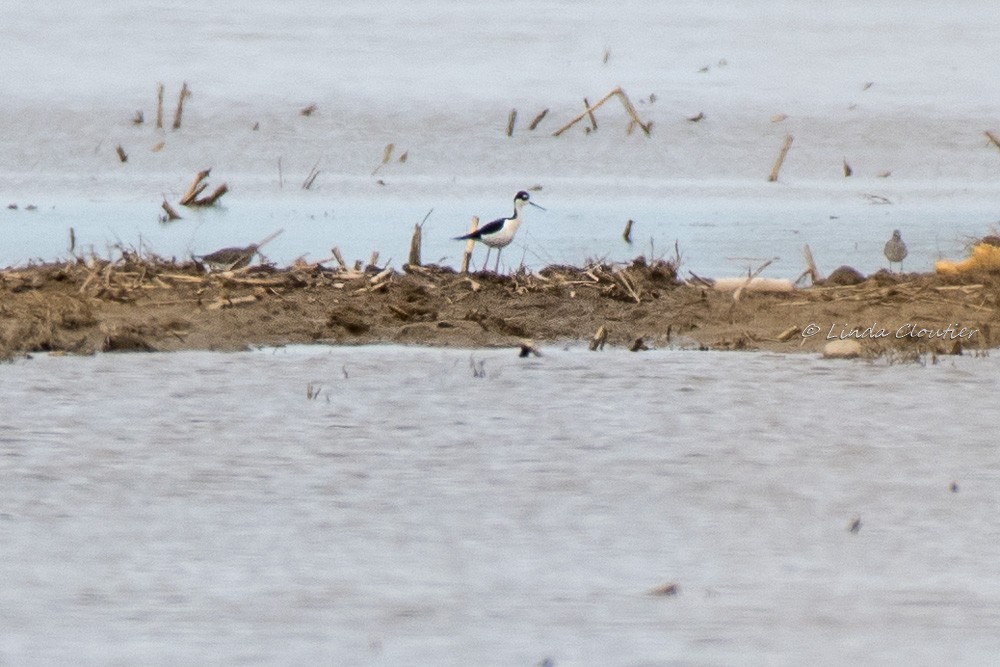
[(499, 233), (895, 250)]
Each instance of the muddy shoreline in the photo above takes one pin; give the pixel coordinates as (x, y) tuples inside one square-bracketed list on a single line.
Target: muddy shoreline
[(147, 304)]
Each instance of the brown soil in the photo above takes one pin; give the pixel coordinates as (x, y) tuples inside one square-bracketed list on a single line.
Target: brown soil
[(147, 304)]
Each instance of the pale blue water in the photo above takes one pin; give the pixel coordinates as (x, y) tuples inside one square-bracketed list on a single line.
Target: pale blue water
[(716, 236), (197, 507)]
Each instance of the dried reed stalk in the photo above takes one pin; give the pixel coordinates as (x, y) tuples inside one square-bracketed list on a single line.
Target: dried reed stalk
[(590, 112), (185, 93), (196, 187), (785, 145), (415, 240), (626, 102), (470, 244), (311, 177), (993, 138), (511, 119), (159, 106), (335, 251), (171, 213), (386, 156), (538, 119)]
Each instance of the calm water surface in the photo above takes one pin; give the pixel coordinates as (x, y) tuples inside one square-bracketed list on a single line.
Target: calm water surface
[(199, 508)]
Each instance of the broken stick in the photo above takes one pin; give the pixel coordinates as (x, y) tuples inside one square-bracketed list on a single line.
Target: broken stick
[(626, 102), (785, 145), (511, 119), (185, 93), (470, 244)]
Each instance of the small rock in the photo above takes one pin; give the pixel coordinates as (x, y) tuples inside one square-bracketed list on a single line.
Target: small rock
[(842, 349)]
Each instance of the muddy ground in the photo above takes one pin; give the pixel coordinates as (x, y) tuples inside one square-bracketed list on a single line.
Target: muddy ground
[(137, 304)]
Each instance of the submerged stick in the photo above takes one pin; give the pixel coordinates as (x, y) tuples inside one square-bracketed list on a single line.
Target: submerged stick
[(785, 145), (626, 102), (627, 234), (171, 213), (590, 112), (538, 119), (159, 106), (993, 138), (313, 173), (415, 240), (185, 93), (196, 187), (335, 251), (470, 244), (599, 339)]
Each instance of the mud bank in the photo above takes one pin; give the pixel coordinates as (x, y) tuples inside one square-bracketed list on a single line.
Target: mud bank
[(143, 304)]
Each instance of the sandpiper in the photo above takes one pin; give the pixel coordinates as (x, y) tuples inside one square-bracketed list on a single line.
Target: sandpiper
[(230, 259), (499, 233), (895, 250)]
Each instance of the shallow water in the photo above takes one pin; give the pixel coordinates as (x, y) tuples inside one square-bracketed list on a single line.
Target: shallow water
[(170, 507), (716, 236)]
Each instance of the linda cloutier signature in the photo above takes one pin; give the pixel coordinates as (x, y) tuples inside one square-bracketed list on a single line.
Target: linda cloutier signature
[(950, 332)]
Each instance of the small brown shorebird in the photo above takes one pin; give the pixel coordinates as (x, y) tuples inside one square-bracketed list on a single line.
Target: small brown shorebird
[(895, 250), (230, 259)]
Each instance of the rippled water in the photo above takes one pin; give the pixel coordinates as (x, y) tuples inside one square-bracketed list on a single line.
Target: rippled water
[(198, 507)]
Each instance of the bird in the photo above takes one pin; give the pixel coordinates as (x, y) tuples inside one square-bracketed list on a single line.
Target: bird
[(230, 259), (499, 233), (227, 259), (895, 250)]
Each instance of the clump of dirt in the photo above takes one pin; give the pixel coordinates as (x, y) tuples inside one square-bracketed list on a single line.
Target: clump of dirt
[(136, 304)]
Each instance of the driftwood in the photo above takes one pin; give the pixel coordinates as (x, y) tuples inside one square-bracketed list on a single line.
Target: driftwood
[(814, 275), (470, 244), (191, 197), (170, 211), (599, 339), (750, 278), (589, 111), (785, 145)]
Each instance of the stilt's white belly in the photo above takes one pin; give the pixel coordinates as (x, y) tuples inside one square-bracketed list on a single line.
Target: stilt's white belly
[(503, 237)]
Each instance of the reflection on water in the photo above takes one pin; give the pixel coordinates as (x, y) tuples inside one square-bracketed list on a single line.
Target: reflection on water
[(164, 508)]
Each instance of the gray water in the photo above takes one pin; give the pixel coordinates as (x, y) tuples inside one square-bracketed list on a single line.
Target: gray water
[(199, 508)]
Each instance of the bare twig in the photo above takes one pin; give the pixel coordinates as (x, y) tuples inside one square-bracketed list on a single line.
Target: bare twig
[(511, 119), (467, 257), (185, 93), (785, 145), (538, 119)]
